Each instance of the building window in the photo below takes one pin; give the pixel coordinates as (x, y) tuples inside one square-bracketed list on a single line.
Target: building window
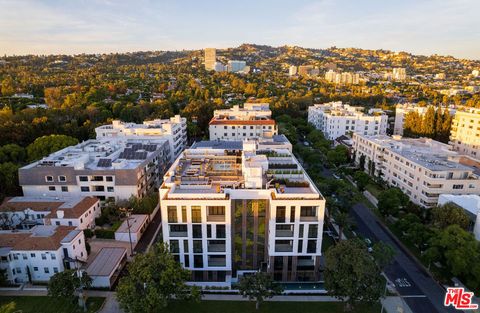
[(313, 231), (64, 189), (84, 189), (196, 214), (53, 256), (35, 269), (172, 214), (24, 256), (457, 186), (57, 223), (109, 178), (70, 223), (32, 255), (110, 189), (197, 231), (55, 270), (83, 178), (51, 188), (184, 214), (46, 270), (198, 261), (19, 270), (174, 246), (221, 231), (44, 256), (49, 178), (216, 210), (62, 178), (280, 214)]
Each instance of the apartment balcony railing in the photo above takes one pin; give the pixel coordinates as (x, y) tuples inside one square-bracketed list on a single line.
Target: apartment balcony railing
[(216, 248), (284, 233), (217, 262), (308, 218), (283, 248), (178, 234), (215, 218)]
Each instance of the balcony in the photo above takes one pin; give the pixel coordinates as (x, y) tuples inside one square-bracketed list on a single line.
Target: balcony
[(178, 233), (283, 248), (216, 218), (216, 247), (217, 262)]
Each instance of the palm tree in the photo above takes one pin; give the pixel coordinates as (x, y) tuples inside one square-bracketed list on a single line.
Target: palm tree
[(343, 221)]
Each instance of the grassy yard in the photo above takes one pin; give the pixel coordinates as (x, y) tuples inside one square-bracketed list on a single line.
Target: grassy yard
[(267, 307), (374, 189), (50, 305)]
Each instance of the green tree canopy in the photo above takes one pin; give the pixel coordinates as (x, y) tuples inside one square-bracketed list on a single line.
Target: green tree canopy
[(449, 214), (46, 145), (64, 284), (391, 201), (351, 274), (154, 279), (361, 179), (258, 287)]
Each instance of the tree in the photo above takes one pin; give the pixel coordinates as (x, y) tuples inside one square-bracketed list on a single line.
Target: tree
[(64, 284), (449, 214), (258, 287), (361, 179), (8, 308), (459, 251), (8, 86), (343, 220), (338, 156), (154, 279), (391, 201), (383, 254), (351, 274), (361, 162), (46, 145)]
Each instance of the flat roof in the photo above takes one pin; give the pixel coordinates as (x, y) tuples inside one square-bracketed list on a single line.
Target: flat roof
[(135, 221), (106, 261)]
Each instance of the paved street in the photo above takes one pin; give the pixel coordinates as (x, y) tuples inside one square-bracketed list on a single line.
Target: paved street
[(149, 234), (421, 292)]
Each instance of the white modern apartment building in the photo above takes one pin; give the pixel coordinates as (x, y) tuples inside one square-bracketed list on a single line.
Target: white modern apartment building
[(465, 132), (336, 119), (236, 66), (109, 169), (470, 204), (422, 168), (27, 212), (231, 207), (344, 78), (253, 121), (401, 111), (41, 252), (174, 130)]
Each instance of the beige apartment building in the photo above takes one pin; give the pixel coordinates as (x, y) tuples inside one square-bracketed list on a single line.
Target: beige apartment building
[(465, 133), (253, 121), (422, 168), (210, 58)]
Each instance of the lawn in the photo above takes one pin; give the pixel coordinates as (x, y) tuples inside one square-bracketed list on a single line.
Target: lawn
[(266, 307), (50, 305), (374, 189)]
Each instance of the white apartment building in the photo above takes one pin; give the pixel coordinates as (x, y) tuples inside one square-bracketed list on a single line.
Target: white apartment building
[(422, 168), (41, 252), (399, 73), (344, 78), (109, 169), (401, 111), (235, 66), (253, 121), (292, 70), (174, 130), (336, 119), (470, 204), (465, 132), (27, 212), (231, 207)]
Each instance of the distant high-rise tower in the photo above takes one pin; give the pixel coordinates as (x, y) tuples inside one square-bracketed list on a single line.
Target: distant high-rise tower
[(210, 58)]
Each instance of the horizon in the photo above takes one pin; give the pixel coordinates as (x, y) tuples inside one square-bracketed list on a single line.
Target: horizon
[(233, 47), (52, 27)]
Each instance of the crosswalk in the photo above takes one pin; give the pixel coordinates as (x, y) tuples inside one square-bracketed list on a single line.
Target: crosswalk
[(402, 283)]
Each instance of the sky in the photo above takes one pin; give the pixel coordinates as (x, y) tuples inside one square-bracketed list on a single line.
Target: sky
[(445, 27)]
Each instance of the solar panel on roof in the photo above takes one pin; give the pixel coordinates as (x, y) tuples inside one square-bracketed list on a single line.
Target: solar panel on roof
[(104, 163)]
